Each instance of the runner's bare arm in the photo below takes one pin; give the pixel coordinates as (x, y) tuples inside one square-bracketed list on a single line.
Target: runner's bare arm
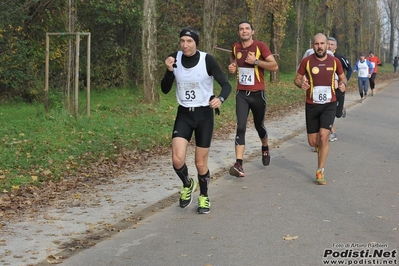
[(301, 82), (342, 82), (269, 63)]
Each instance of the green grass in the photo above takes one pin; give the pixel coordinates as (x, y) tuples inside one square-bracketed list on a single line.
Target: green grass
[(36, 146), (385, 68)]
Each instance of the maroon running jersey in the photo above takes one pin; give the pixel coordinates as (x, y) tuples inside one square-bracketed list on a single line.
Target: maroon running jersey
[(321, 76)]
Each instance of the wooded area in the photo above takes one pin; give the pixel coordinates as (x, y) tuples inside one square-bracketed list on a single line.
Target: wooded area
[(131, 38)]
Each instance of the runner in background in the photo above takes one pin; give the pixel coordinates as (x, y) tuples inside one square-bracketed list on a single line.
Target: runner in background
[(375, 61), (332, 46), (365, 70)]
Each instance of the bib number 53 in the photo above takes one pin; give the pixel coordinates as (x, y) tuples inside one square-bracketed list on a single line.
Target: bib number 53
[(190, 95)]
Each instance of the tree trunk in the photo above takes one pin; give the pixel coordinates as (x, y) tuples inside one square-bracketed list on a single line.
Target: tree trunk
[(397, 44), (274, 76), (210, 21), (149, 51), (278, 10), (393, 18), (330, 7), (299, 30)]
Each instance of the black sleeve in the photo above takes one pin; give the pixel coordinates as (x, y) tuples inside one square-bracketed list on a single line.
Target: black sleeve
[(168, 78), (214, 70), (346, 66), (167, 81)]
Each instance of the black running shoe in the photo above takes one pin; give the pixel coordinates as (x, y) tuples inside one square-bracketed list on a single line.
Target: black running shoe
[(203, 205), (343, 112), (237, 170), (266, 157), (186, 194)]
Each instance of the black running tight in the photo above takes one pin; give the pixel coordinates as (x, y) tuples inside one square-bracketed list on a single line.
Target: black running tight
[(256, 102), (372, 80)]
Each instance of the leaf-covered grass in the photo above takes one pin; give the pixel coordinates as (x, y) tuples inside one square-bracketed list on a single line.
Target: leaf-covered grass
[(37, 146)]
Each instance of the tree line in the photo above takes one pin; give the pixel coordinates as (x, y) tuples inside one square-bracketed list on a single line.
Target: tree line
[(130, 39)]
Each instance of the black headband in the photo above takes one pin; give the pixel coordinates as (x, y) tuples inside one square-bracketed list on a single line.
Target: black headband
[(186, 32)]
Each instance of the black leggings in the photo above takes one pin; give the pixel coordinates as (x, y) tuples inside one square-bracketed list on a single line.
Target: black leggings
[(256, 102), (340, 102), (372, 80)]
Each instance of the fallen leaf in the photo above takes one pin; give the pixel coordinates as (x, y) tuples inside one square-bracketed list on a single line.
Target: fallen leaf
[(289, 237), (76, 196), (382, 217), (46, 172), (91, 226), (54, 261)]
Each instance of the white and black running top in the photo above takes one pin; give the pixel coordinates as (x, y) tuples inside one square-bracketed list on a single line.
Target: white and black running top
[(194, 77)]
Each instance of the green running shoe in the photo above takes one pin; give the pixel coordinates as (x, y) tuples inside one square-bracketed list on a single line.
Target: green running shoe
[(186, 194), (203, 205)]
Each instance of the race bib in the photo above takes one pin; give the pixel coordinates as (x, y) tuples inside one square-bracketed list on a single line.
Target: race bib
[(322, 94), (362, 73), (246, 76), (189, 92)]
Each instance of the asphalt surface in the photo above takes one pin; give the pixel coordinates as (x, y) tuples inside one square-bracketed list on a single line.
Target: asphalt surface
[(276, 215)]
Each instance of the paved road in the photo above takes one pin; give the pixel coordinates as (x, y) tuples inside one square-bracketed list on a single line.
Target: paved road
[(355, 215)]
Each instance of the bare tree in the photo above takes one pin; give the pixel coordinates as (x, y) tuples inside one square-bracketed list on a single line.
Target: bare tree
[(391, 8), (330, 7), (299, 7), (278, 10), (210, 21), (149, 51)]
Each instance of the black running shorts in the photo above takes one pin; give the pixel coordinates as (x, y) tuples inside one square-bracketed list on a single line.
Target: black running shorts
[(197, 120), (320, 116)]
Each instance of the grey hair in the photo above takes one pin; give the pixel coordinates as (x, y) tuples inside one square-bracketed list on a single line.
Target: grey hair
[(332, 39)]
